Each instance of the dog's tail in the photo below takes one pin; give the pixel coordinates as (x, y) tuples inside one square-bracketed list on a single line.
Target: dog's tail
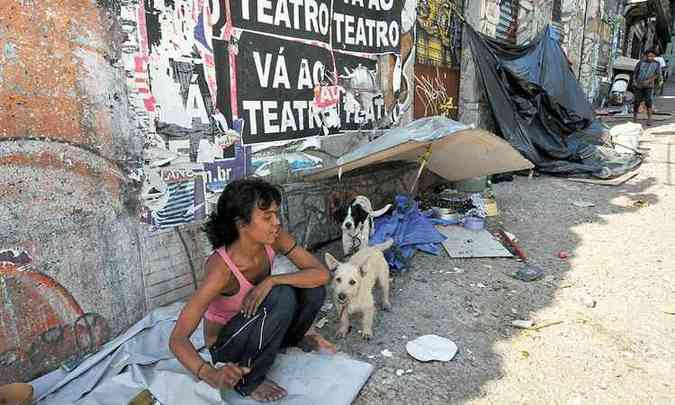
[(384, 245), (381, 211)]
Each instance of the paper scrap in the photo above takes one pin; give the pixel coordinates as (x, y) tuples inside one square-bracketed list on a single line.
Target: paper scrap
[(583, 204)]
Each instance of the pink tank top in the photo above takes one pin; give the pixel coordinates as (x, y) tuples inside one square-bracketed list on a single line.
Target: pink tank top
[(222, 309)]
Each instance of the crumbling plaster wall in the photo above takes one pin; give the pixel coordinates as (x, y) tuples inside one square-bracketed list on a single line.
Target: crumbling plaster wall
[(70, 263)]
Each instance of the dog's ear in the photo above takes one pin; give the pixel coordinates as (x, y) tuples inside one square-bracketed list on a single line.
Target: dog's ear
[(339, 214), (331, 262), (360, 215)]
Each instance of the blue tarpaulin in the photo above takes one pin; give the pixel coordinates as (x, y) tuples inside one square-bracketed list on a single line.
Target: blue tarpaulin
[(411, 231)]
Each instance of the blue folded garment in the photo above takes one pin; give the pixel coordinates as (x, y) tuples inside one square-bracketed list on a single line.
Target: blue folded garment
[(411, 231)]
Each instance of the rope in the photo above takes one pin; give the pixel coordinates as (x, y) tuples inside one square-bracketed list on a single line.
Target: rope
[(423, 162)]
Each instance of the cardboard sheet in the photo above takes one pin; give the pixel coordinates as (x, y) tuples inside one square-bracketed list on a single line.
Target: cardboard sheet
[(456, 154), (464, 243)]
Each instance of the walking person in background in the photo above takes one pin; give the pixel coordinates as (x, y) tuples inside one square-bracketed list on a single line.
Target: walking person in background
[(646, 75), (664, 76)]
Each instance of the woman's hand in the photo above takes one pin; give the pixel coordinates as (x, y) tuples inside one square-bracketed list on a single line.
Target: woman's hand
[(225, 377), (255, 297)]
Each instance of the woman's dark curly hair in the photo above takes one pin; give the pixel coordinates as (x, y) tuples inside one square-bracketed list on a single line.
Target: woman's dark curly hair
[(236, 203)]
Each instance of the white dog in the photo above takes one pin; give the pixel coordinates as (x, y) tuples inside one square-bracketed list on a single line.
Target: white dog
[(357, 223), (353, 284)]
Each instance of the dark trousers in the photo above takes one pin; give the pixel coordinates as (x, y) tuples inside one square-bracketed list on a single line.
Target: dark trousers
[(281, 321), (646, 95)]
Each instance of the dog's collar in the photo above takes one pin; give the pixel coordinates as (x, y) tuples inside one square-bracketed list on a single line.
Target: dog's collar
[(356, 244)]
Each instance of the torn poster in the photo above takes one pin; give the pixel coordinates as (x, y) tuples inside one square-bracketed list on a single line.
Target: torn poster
[(173, 197), (310, 69)]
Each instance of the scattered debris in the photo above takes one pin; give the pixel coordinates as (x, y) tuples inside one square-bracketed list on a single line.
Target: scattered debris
[(400, 372), (321, 323), (589, 302), (522, 324), (511, 236), (387, 353), (481, 285), (546, 325), (529, 272), (432, 347), (327, 307), (564, 255), (583, 204)]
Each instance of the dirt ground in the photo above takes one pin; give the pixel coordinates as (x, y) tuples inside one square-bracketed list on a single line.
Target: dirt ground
[(619, 352)]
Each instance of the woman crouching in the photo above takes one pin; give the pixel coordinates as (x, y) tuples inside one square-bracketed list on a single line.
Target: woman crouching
[(250, 315)]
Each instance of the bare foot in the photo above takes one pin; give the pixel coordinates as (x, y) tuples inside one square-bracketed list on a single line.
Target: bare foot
[(316, 342), (268, 391)]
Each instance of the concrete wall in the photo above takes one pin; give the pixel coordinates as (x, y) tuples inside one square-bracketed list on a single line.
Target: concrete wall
[(173, 263), (70, 261), (533, 17), (473, 107)]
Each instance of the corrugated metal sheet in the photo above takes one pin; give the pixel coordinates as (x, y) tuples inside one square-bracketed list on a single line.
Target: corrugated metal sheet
[(508, 21)]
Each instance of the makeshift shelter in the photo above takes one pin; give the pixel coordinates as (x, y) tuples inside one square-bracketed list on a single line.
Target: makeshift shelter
[(456, 151), (540, 109)]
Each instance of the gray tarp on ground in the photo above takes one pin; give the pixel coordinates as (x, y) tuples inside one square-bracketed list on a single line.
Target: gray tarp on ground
[(140, 359), (541, 110)]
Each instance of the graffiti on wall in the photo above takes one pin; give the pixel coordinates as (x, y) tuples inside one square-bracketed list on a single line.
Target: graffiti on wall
[(439, 40), (209, 78), (52, 327), (436, 91)]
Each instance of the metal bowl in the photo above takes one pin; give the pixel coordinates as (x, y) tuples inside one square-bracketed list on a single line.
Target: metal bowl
[(446, 214), (474, 223)]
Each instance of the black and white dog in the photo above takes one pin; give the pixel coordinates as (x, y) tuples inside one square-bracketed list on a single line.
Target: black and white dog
[(356, 220)]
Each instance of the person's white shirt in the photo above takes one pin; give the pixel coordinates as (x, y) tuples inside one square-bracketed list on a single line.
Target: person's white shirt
[(661, 60)]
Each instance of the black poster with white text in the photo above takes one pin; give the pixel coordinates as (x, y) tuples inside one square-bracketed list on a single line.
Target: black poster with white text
[(276, 82)]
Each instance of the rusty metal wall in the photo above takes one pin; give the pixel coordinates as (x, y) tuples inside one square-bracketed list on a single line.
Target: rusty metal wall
[(70, 265), (436, 91)]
